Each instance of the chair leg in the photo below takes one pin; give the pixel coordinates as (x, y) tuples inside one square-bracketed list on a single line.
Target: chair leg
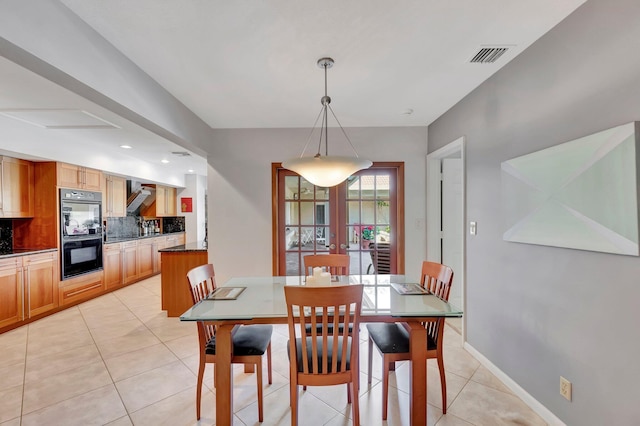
[(355, 405), (260, 394), (199, 386), (269, 375), (370, 359), (349, 392), (293, 389), (443, 384), (385, 386)]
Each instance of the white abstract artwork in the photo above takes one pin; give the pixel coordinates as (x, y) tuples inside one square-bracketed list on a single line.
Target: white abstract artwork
[(581, 194)]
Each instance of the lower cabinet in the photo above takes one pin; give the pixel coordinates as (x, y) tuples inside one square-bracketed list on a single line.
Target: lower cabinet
[(113, 266), (145, 258), (130, 262), (11, 302), (28, 286), (82, 287), (40, 273)]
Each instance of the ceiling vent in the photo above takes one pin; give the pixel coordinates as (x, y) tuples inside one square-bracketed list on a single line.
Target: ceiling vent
[(488, 54), (181, 153)]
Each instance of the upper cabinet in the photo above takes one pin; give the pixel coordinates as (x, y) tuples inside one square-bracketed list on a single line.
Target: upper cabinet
[(164, 205), (16, 194), (116, 197), (77, 177)]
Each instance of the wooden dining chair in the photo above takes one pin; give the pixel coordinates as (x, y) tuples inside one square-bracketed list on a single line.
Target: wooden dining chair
[(392, 339), (330, 357), (336, 264), (250, 342)]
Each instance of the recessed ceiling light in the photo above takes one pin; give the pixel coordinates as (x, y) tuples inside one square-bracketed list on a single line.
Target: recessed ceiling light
[(164, 161), (190, 170), (125, 146)]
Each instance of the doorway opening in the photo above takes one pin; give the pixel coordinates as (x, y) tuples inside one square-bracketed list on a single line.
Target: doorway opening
[(446, 218)]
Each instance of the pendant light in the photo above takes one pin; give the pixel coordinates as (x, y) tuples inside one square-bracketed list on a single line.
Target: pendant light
[(326, 170)]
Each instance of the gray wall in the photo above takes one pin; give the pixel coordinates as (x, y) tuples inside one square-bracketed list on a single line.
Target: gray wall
[(540, 312), (239, 189)]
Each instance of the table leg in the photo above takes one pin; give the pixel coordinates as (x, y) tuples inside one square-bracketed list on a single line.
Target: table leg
[(418, 348), (224, 376)]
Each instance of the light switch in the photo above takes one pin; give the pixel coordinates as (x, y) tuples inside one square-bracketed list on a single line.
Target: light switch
[(472, 228)]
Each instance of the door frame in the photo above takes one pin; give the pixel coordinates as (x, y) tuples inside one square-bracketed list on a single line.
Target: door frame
[(434, 203), (400, 219)]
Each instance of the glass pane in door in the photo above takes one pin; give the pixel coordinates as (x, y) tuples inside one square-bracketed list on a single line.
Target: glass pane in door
[(369, 222), (307, 222)]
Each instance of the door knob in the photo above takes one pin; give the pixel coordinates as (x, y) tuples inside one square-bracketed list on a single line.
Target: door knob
[(332, 246), (344, 246)]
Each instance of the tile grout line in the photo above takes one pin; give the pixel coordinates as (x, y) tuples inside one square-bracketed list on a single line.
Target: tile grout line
[(104, 362)]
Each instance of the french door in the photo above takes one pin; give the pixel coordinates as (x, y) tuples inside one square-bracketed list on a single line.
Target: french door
[(362, 217)]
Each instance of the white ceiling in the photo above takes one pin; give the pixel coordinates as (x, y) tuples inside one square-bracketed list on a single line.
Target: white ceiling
[(252, 64)]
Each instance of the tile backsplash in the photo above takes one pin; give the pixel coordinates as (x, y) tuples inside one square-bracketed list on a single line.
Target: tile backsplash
[(6, 235), (129, 226), (173, 224)]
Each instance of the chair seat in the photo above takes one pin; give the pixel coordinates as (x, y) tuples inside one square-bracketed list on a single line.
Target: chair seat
[(247, 340), (393, 338), (329, 355)]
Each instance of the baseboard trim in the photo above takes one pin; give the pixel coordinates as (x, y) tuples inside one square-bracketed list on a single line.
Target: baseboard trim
[(533, 403)]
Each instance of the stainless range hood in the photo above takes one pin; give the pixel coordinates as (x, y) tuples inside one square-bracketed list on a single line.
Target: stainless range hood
[(136, 199)]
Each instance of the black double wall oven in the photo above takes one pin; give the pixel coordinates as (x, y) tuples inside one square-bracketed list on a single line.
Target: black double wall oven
[(81, 229)]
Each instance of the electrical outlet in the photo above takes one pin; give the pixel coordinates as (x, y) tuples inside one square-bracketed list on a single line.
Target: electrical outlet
[(565, 388)]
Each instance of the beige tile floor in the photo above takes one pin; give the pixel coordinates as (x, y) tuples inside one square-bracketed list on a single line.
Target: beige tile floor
[(118, 360)]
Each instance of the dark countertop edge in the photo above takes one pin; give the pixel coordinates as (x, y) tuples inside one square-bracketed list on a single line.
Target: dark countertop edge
[(185, 248), (27, 253), (141, 237)]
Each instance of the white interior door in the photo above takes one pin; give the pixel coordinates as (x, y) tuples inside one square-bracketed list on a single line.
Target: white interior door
[(452, 223)]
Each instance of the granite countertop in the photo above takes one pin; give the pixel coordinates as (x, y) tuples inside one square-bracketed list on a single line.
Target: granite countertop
[(183, 248), (141, 237), (23, 252)]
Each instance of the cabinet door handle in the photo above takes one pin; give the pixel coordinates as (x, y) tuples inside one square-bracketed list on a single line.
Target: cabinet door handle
[(21, 287), (28, 285)]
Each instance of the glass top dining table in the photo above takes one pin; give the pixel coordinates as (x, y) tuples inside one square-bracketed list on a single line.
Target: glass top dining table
[(262, 302)]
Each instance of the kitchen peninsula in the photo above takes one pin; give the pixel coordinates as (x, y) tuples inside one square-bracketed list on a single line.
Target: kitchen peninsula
[(175, 263)]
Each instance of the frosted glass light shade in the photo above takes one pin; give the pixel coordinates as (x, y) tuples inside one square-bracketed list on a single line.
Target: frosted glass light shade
[(326, 171)]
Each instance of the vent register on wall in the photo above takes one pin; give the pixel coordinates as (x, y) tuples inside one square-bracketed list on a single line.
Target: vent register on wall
[(81, 232)]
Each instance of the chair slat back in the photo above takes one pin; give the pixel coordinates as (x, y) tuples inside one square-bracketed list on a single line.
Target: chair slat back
[(336, 264), (437, 278), (202, 281), (381, 257), (317, 306)]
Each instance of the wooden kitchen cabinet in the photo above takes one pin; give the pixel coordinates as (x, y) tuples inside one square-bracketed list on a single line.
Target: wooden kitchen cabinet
[(82, 287), (28, 286), (130, 262), (17, 188), (164, 204), (113, 266), (11, 301), (40, 273), (115, 204), (145, 258), (77, 177)]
